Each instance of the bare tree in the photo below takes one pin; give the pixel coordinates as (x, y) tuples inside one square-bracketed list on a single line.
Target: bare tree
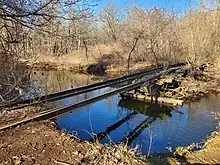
[(28, 27), (111, 22)]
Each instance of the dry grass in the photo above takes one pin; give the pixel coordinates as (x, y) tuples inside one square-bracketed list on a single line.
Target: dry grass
[(118, 70), (76, 58), (41, 143)]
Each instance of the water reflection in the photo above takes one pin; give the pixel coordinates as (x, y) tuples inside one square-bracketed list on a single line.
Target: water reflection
[(54, 81), (153, 110), (138, 123)]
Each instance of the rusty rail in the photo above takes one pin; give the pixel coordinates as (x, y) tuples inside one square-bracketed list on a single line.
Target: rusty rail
[(53, 113)]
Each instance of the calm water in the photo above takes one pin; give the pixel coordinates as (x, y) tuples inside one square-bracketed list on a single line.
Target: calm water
[(138, 123)]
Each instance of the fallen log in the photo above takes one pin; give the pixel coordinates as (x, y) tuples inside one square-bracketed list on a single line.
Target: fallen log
[(160, 100)]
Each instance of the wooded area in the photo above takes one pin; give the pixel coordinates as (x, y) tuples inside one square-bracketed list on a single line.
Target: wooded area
[(29, 28)]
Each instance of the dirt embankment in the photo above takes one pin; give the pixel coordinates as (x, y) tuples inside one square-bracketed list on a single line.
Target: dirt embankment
[(41, 143), (210, 154)]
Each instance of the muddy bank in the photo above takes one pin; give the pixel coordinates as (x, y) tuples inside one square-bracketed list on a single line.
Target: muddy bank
[(208, 153), (41, 143), (12, 116)]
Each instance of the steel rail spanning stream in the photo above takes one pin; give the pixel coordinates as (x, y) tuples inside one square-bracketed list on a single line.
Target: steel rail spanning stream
[(83, 89), (52, 113), (77, 91)]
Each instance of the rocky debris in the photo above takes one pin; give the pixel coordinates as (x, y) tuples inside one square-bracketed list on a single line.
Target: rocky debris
[(185, 84), (192, 90)]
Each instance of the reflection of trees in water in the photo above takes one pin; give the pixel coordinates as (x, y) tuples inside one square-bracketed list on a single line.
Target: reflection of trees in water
[(205, 106), (53, 81)]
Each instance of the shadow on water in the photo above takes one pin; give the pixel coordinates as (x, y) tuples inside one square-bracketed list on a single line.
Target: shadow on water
[(152, 111), (112, 127)]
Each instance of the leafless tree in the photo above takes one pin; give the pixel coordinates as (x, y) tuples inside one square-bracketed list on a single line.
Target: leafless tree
[(28, 27)]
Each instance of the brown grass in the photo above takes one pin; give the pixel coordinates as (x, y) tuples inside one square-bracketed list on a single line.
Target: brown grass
[(41, 143)]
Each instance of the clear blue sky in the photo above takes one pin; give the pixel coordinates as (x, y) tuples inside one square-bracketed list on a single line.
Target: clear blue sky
[(176, 5)]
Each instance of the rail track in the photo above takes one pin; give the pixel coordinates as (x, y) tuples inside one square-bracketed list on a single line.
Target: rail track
[(52, 113), (81, 90), (77, 91)]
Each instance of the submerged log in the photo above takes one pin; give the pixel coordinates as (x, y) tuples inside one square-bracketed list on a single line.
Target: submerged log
[(160, 100)]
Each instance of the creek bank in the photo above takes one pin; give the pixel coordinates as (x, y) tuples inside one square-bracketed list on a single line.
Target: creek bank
[(47, 66), (181, 86), (104, 66), (61, 155), (208, 153), (41, 143)]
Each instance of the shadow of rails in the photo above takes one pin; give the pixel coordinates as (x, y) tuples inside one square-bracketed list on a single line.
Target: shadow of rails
[(151, 112)]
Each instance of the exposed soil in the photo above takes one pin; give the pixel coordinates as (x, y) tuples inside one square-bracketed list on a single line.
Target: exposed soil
[(209, 155), (41, 143)]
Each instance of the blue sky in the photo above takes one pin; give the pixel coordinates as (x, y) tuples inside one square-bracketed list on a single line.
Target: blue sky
[(176, 5)]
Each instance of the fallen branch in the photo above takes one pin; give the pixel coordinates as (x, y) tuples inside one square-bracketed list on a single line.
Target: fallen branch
[(61, 163)]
